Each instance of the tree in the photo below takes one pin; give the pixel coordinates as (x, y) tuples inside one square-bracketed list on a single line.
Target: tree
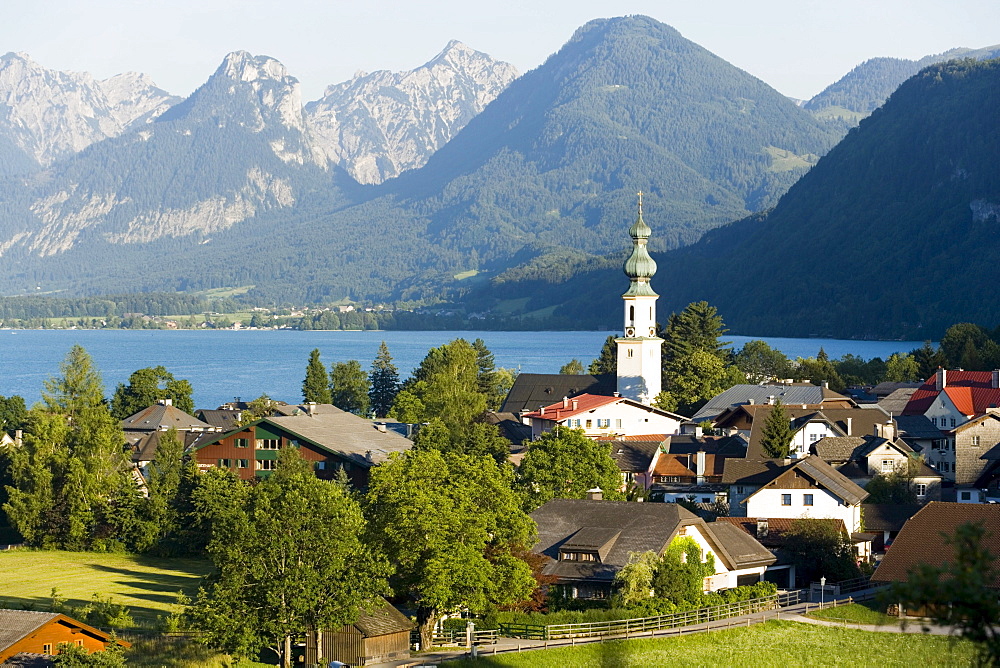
[(901, 369), (761, 363), (695, 378), (959, 593), (148, 386), (291, 560), (574, 367), (634, 582), (258, 409), (316, 386), (491, 383), (818, 548), (349, 387), (818, 370), (681, 573), (959, 340), (564, 464), (895, 487), (607, 360), (76, 656), (776, 436), (384, 382), (164, 482), (13, 413), (72, 462), (697, 327), (928, 360), (453, 527), (446, 385), (480, 439)]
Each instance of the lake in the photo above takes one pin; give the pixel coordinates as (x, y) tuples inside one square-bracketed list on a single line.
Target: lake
[(247, 363)]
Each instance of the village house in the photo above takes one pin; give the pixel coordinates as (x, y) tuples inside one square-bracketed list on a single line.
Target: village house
[(588, 541), (26, 632), (600, 416), (952, 397), (381, 634), (329, 438), (144, 429), (803, 394), (861, 458), (690, 466)]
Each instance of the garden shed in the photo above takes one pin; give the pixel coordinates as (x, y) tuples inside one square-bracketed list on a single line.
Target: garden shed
[(382, 633)]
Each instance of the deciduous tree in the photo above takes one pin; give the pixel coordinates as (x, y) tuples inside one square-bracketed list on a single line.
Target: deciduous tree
[(290, 561), (452, 526), (573, 367), (564, 464), (147, 386), (760, 362), (349, 387)]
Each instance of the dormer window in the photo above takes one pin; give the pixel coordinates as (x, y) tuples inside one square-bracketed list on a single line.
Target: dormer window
[(577, 556)]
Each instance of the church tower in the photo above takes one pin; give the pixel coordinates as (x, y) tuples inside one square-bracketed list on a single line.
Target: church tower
[(639, 365)]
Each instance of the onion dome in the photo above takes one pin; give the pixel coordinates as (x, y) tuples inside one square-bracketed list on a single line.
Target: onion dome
[(639, 266)]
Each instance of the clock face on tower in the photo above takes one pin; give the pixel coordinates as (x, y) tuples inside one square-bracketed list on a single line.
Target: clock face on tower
[(652, 331), (630, 331)]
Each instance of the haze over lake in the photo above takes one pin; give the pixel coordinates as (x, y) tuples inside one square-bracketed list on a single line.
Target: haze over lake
[(226, 364)]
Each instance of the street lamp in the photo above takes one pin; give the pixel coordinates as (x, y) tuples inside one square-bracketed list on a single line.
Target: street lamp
[(822, 591)]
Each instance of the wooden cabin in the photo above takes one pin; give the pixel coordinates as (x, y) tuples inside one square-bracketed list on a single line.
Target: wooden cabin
[(380, 634), (25, 631)]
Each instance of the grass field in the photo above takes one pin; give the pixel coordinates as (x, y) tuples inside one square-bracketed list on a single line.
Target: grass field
[(147, 586), (866, 612), (770, 644)]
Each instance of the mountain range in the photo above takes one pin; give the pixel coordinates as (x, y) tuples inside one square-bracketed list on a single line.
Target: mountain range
[(888, 236), (455, 178)]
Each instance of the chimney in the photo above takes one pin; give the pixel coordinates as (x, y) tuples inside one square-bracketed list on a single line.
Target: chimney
[(541, 410), (849, 421), (940, 379), (311, 408), (889, 430), (576, 404), (770, 400), (565, 402), (595, 494), (18, 437), (762, 527), (825, 384), (381, 427), (700, 465), (166, 402), (995, 379), (368, 456), (698, 431), (750, 401)]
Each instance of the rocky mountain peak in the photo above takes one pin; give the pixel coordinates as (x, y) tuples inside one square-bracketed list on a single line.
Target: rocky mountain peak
[(380, 124)]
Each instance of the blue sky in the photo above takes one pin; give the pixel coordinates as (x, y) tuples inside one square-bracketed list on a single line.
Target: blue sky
[(796, 46)]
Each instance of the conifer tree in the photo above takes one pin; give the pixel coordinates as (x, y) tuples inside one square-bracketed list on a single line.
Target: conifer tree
[(316, 386), (607, 360), (384, 382), (777, 434)]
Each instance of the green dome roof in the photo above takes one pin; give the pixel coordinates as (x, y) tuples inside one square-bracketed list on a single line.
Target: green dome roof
[(639, 229), (639, 264)]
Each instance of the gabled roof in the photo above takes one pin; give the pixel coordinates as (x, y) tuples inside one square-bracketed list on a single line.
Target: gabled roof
[(767, 472), (531, 390), (510, 426), (838, 448), (887, 516), (160, 417), (382, 619), (221, 418), (777, 527), (804, 393), (334, 431), (895, 403), (15, 625), (634, 456), (924, 396), (743, 550), (887, 387), (916, 427), (975, 422), (922, 538), (586, 403), (144, 449)]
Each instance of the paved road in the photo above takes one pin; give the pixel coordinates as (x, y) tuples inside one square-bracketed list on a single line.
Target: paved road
[(791, 613)]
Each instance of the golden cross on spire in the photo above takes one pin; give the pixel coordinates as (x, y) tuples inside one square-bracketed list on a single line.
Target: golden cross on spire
[(640, 202)]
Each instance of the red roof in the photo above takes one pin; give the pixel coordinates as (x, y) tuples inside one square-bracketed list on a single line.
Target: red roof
[(582, 403), (974, 380)]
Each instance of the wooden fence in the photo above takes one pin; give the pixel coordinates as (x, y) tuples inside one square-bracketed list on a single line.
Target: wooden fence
[(627, 627)]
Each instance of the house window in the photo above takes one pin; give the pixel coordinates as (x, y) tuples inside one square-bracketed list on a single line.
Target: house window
[(815, 437), (887, 466), (589, 424), (242, 442), (629, 352), (974, 441), (576, 423), (79, 643), (603, 424), (966, 496), (225, 463), (320, 466), (267, 464), (953, 422), (807, 499), (921, 490), (618, 424), (934, 421), (47, 648), (740, 489), (786, 499), (268, 443), (244, 463)]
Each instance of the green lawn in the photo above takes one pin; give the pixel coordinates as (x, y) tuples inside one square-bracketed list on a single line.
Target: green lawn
[(866, 612), (147, 586), (770, 644)]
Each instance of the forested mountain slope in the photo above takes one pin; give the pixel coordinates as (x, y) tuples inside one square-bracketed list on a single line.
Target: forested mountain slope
[(890, 235), (867, 86)]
